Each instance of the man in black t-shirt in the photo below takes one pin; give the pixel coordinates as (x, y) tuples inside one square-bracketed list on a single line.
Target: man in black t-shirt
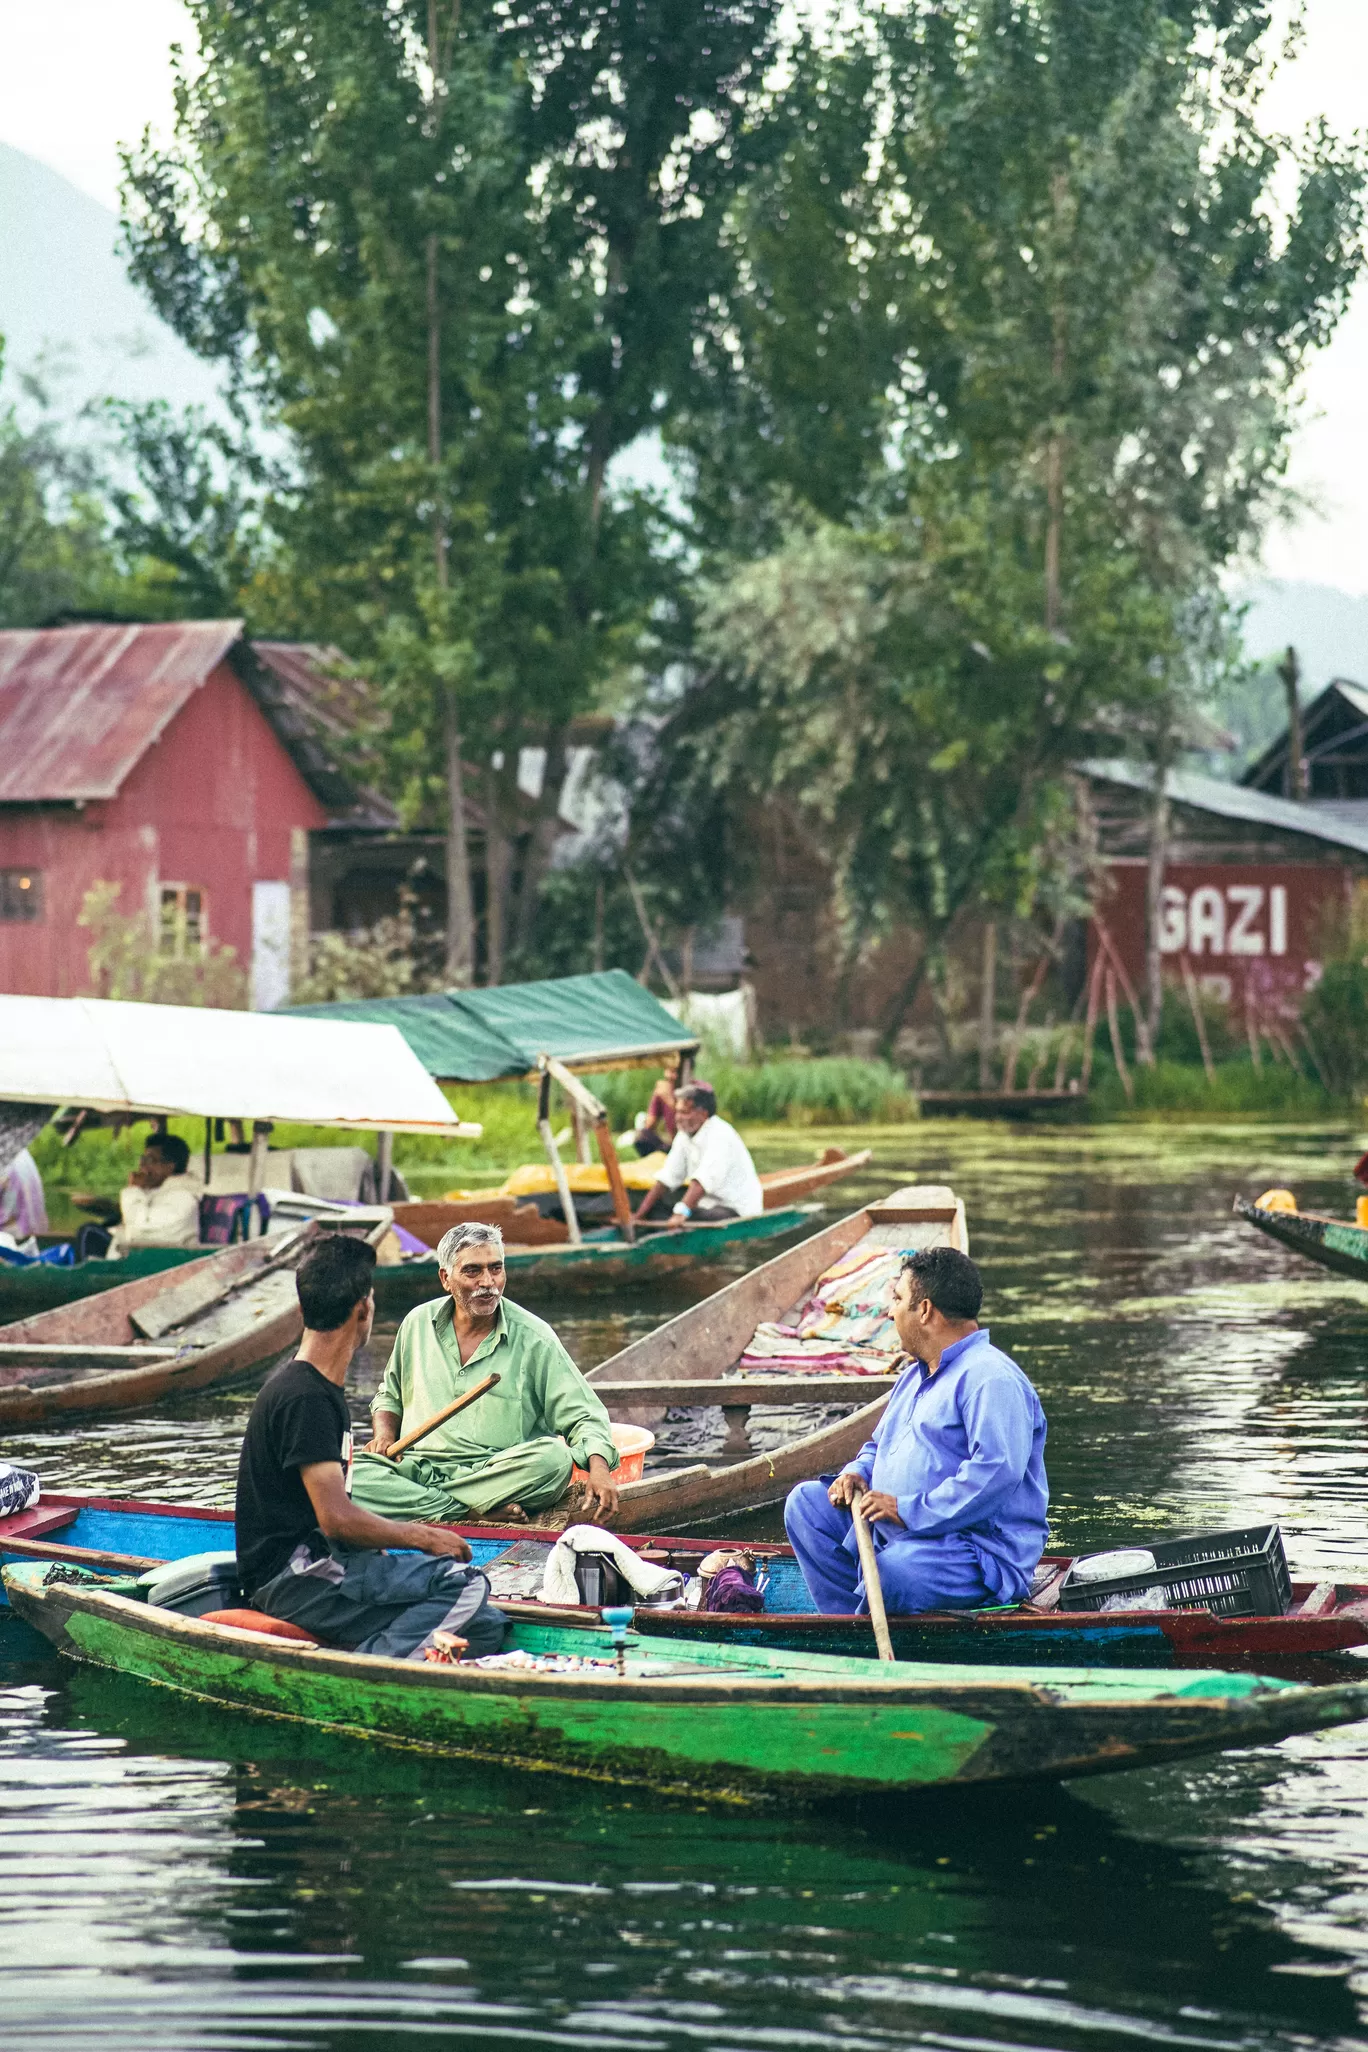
[(305, 1551)]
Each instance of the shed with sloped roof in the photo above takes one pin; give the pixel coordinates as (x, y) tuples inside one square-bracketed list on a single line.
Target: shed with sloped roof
[(182, 764)]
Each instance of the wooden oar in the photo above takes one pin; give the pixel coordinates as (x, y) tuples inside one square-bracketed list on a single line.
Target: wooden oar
[(401, 1446), (869, 1564)]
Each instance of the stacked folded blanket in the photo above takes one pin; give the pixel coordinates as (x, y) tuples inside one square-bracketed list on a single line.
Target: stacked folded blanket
[(844, 1327)]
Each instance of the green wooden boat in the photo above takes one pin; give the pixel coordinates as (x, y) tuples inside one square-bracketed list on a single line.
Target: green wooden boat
[(699, 1718), (28, 1290), (1332, 1243), (603, 1262)]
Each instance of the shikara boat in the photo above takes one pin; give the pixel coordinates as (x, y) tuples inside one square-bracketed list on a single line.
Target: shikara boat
[(698, 1718), (604, 1260), (205, 1326), (1332, 1242), (122, 1536)]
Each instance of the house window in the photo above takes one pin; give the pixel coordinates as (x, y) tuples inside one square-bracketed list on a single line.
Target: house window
[(21, 893), (183, 925)]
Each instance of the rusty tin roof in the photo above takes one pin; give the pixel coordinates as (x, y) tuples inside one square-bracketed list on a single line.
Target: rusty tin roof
[(80, 706)]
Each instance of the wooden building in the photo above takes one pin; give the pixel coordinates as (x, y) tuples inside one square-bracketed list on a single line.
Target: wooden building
[(184, 764), (1251, 881)]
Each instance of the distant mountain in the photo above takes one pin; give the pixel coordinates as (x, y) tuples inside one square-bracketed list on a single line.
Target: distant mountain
[(68, 305), (1327, 627)]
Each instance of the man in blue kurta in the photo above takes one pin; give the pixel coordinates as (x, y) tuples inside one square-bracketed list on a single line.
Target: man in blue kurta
[(954, 1476)]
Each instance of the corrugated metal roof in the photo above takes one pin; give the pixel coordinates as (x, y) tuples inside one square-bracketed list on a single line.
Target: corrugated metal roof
[(1271, 766), (316, 710), (80, 706), (1236, 801)]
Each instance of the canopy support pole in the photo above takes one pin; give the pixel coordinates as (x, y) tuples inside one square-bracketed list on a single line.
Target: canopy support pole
[(256, 1165), (548, 1139), (588, 1107), (384, 1166)]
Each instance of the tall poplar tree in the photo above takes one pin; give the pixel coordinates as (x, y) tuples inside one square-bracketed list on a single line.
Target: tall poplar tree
[(1094, 281), (459, 254)]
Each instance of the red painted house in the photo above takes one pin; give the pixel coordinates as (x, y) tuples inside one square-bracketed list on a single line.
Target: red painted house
[(176, 760), (1251, 884)]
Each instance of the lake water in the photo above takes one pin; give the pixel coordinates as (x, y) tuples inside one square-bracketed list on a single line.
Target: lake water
[(175, 1876)]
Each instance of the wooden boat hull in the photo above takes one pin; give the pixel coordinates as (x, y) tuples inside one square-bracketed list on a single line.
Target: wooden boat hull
[(1331, 1242), (26, 1291), (265, 1320), (601, 1264), (117, 1536), (796, 1185), (605, 1263), (710, 1720)]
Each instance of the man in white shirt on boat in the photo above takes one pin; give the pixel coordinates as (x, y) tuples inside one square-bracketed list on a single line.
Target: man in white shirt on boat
[(708, 1172), (159, 1205)]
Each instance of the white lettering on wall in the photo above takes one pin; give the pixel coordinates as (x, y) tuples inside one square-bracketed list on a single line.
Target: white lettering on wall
[(1206, 921), (1246, 902), (1172, 921), (1211, 921)]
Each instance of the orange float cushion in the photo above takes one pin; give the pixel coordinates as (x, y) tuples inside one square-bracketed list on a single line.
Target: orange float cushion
[(260, 1621)]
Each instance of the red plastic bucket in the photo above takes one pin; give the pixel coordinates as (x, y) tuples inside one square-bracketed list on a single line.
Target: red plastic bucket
[(633, 1443)]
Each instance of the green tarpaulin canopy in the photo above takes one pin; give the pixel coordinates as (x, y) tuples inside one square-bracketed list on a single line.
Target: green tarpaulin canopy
[(477, 1036)]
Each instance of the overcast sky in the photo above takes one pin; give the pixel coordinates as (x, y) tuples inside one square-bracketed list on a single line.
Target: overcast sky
[(77, 77)]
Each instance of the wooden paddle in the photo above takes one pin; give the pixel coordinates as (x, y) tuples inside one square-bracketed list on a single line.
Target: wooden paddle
[(869, 1564), (401, 1446)]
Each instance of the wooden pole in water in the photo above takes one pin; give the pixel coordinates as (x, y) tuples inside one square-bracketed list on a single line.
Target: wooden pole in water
[(869, 1567)]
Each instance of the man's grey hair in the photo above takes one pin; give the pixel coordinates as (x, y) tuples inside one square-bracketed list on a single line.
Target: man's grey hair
[(472, 1234)]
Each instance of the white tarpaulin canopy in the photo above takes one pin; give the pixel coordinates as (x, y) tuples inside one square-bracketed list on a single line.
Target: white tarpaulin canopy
[(185, 1060)]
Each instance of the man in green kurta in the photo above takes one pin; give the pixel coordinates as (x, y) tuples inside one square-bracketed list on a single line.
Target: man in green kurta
[(513, 1449)]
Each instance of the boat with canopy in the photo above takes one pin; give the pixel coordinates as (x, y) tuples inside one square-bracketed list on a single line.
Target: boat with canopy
[(553, 1034), (101, 1062)]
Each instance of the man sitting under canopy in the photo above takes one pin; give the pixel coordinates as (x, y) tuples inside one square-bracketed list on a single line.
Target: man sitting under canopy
[(513, 1449), (159, 1205), (954, 1474), (708, 1170)]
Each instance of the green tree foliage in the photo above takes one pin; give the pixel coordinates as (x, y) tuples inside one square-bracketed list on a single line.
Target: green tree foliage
[(127, 960), (1060, 239), (459, 254), (54, 550), (187, 523)]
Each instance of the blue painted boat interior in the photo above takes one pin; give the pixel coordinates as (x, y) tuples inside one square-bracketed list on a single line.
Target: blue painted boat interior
[(172, 1538)]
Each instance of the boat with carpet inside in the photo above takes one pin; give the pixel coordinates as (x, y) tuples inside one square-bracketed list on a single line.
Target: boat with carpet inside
[(707, 1719)]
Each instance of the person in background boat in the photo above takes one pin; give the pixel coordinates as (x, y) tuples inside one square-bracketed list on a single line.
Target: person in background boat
[(656, 1129), (513, 1450), (306, 1552), (709, 1163), (956, 1495), (159, 1205), (23, 1208)]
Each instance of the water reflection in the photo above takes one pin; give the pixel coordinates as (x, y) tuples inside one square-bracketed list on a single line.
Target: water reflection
[(183, 1876), (180, 1876)]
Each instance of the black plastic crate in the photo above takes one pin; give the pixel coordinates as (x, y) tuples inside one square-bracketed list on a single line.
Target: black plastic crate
[(1234, 1574)]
